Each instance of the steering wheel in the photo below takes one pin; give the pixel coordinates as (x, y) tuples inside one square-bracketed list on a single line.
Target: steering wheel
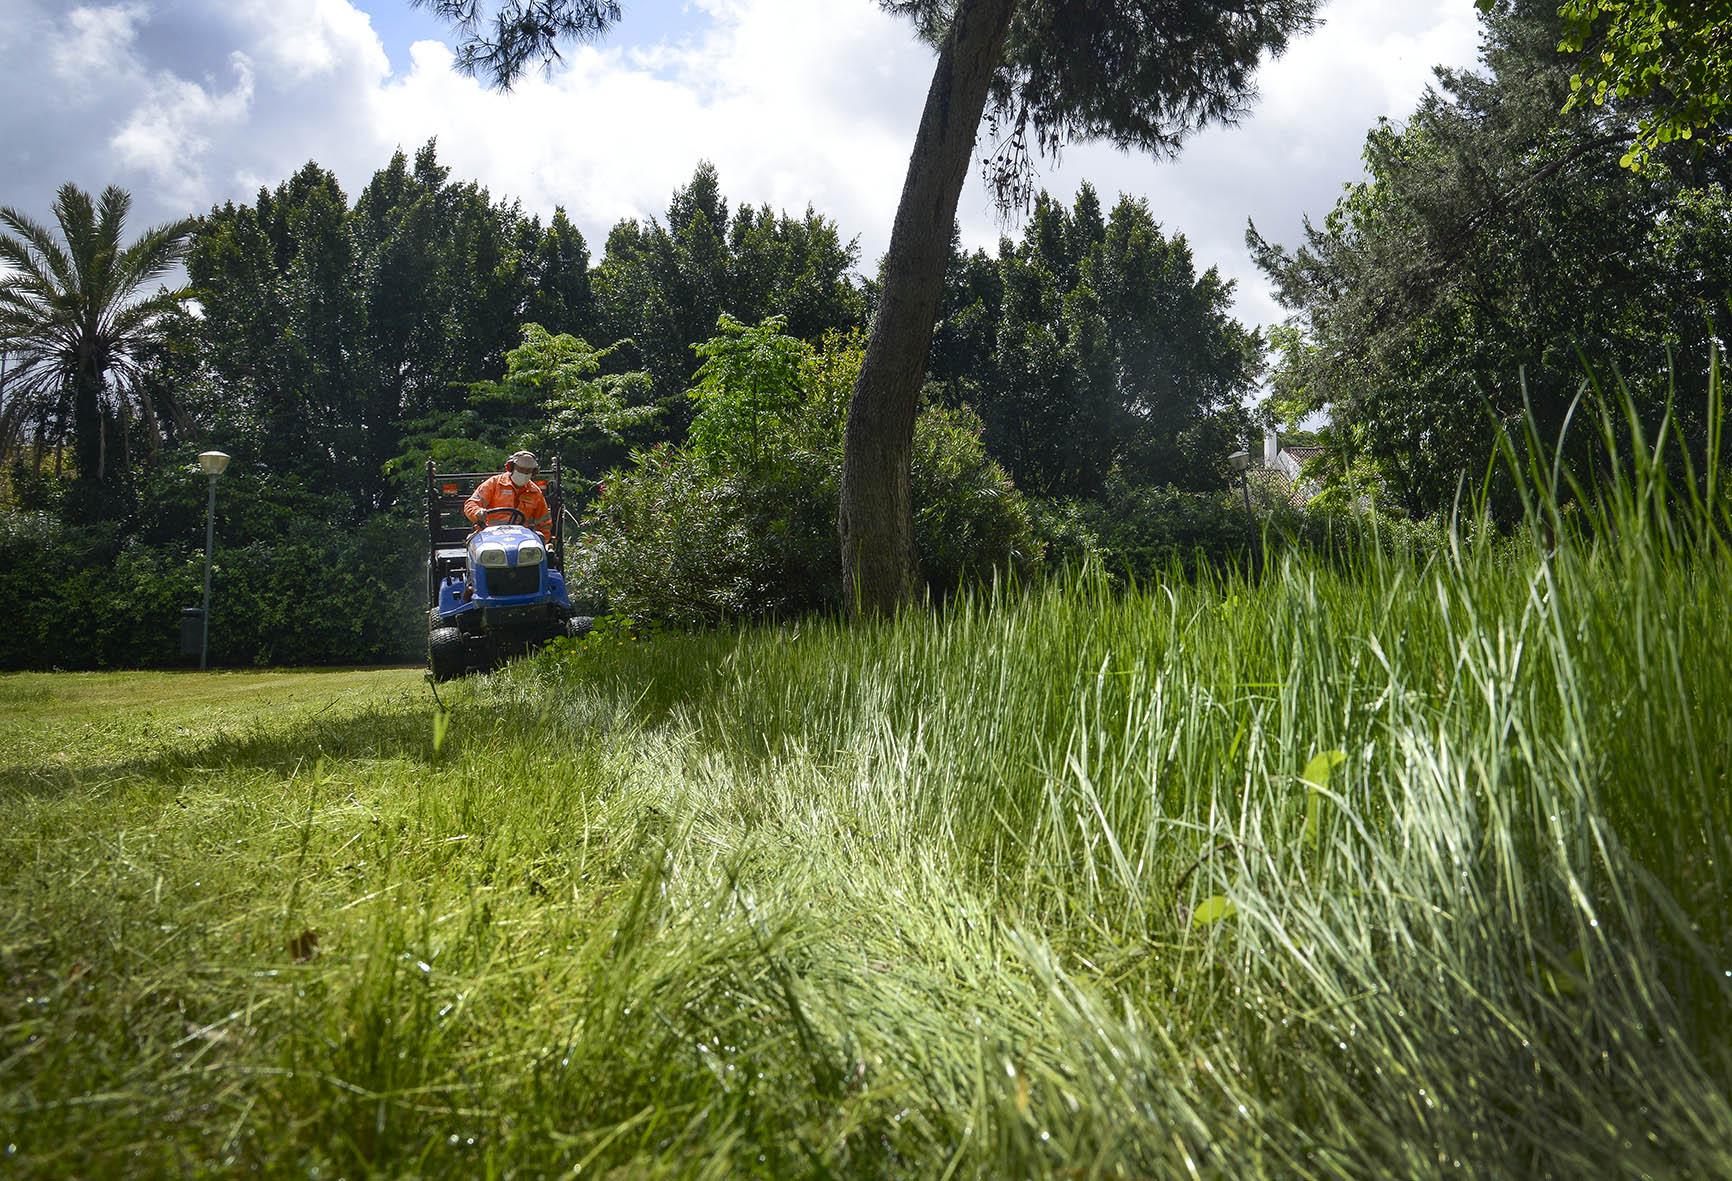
[(516, 517)]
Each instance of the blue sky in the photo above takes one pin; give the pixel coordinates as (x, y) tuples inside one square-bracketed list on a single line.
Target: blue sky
[(189, 103), (398, 25), (644, 22)]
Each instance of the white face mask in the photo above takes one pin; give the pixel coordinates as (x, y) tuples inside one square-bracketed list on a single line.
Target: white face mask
[(519, 478)]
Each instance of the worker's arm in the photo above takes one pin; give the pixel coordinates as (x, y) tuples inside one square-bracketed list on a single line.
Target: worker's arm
[(479, 501)]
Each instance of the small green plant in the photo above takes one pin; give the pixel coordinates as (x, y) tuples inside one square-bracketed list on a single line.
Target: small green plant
[(1216, 908), (1316, 781), (748, 391)]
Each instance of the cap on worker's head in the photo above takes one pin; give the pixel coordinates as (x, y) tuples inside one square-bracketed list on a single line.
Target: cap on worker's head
[(524, 461)]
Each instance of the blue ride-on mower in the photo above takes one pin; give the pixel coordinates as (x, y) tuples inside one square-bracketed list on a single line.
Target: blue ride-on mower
[(495, 590)]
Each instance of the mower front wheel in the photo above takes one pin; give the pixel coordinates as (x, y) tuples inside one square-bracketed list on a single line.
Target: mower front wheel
[(447, 654)]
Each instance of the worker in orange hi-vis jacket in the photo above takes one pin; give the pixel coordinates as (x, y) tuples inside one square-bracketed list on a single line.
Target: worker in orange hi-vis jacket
[(515, 487)]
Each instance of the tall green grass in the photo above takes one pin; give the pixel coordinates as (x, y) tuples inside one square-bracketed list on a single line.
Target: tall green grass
[(1036, 887)]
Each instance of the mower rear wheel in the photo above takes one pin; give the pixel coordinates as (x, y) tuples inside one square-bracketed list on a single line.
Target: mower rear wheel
[(447, 654)]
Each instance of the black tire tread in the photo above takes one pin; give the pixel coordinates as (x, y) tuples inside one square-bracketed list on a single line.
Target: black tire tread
[(447, 653)]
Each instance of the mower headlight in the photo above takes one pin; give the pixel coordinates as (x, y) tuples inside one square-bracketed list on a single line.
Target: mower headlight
[(530, 553), (490, 555)]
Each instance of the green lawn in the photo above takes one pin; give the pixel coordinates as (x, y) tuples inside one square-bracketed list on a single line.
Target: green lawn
[(66, 727), (1033, 888)]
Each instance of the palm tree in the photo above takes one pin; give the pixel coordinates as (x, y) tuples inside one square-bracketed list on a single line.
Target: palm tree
[(73, 322)]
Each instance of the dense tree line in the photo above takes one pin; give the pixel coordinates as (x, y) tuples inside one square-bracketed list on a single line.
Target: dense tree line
[(332, 341), (328, 334), (333, 345), (317, 334)]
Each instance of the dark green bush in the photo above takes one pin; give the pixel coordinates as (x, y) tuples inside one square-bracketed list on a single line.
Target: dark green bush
[(320, 594), (325, 596), (1347, 535), (1147, 532), (81, 600), (969, 520), (1143, 532), (675, 539), (695, 535)]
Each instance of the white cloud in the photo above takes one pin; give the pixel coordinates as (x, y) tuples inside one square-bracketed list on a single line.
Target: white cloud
[(190, 102), (95, 47), (793, 102), (305, 40), (186, 102), (170, 132), (1369, 55)]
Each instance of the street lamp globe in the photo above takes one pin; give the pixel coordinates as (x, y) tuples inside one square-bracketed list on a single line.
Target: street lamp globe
[(213, 463), (1239, 459)]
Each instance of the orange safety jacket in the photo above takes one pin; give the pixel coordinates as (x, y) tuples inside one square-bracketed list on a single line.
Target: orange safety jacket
[(499, 492)]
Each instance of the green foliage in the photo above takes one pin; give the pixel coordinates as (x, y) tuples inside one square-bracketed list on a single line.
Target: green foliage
[(348, 597), (665, 283), (1143, 534), (343, 597), (1146, 532), (1094, 344), (742, 523), (332, 331), (585, 414), (748, 390), (294, 581), (970, 522), (1671, 62), (554, 400), (1064, 529), (674, 539), (1494, 248)]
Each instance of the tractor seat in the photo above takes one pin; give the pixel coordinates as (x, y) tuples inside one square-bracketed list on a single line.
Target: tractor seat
[(447, 562)]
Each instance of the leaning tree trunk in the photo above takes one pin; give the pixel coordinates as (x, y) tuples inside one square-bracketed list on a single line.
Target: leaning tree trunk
[(876, 520)]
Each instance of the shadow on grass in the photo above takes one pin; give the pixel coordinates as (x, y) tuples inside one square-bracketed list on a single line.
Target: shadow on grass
[(376, 734)]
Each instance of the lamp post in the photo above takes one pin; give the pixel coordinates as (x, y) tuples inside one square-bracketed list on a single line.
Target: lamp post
[(1241, 460), (212, 464)]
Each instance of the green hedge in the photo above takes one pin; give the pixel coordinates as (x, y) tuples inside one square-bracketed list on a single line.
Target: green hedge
[(319, 595)]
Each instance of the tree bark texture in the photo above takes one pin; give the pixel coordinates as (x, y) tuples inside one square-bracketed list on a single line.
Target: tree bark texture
[(876, 519), (87, 423)]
